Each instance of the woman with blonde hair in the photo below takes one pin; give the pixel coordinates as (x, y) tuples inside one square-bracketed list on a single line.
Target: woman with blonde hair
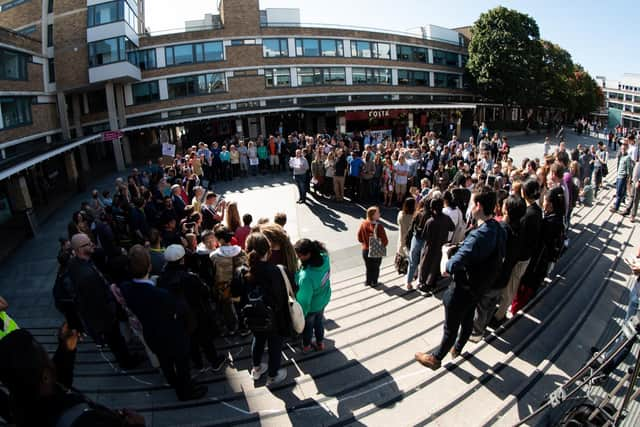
[(198, 198), (282, 251)]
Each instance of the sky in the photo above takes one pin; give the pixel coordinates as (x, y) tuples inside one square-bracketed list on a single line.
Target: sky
[(599, 35)]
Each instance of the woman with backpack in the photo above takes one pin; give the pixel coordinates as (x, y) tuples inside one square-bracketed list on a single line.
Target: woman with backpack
[(267, 313), (314, 290)]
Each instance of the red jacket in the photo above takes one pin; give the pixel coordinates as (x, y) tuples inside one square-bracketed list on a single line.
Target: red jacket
[(366, 231)]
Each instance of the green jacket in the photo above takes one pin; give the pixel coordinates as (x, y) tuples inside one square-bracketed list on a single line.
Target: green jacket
[(314, 284)]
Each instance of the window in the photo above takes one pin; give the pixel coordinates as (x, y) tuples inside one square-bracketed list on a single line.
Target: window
[(49, 35), (114, 11), (50, 6), (361, 49), (371, 76), (412, 53), (10, 4), (319, 47), (628, 97), (145, 92), (27, 31), (444, 80), (15, 111), (52, 70), (13, 65), (109, 51), (445, 58), (413, 78), (465, 59), (194, 53), (310, 76), (195, 85), (273, 48), (143, 59), (277, 77)]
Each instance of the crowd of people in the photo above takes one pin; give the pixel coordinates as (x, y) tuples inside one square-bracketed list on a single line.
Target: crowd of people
[(178, 265)]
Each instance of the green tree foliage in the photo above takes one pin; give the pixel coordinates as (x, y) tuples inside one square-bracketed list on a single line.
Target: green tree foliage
[(510, 64)]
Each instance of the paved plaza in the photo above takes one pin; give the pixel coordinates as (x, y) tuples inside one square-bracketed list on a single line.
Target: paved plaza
[(367, 375)]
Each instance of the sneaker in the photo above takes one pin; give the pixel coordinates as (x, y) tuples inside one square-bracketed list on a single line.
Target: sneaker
[(319, 346), (259, 371), (281, 376), (428, 360), (476, 338), (454, 353), (219, 363), (306, 349)]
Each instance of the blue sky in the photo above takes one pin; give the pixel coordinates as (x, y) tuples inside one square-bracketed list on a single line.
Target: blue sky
[(599, 35)]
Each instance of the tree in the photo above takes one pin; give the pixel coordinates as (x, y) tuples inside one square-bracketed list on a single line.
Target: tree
[(505, 57), (585, 94), (557, 69)]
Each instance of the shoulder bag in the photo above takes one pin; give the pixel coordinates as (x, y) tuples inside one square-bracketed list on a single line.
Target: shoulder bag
[(376, 248), (295, 309)]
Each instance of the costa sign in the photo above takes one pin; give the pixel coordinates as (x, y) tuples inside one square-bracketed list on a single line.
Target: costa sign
[(379, 114), (374, 114)]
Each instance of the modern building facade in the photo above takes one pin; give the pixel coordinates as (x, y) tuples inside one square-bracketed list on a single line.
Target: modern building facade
[(622, 100), (71, 70)]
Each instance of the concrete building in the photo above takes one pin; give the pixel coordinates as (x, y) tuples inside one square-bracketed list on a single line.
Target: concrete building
[(71, 70), (622, 100)]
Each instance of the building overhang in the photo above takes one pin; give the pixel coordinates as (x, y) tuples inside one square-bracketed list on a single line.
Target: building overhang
[(345, 108), (122, 72)]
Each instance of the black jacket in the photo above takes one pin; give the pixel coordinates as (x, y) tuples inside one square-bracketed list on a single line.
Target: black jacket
[(268, 277), (530, 227)]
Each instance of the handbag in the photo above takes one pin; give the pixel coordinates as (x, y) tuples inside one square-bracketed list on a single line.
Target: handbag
[(401, 263), (295, 309), (376, 248)]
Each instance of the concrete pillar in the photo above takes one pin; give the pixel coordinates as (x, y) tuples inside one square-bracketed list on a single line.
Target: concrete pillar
[(71, 168), (18, 192), (84, 158), (122, 118), (62, 114), (75, 100), (239, 129), (113, 124), (263, 126), (126, 148)]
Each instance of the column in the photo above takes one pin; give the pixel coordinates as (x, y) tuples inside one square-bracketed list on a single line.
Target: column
[(62, 114), (75, 103), (122, 122), (18, 192), (126, 148), (71, 169), (239, 129), (113, 125), (84, 158), (263, 126)]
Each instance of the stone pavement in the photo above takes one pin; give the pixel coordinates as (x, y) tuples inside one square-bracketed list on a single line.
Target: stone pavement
[(367, 374)]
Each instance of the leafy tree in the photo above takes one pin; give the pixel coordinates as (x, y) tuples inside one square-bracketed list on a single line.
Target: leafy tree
[(585, 94), (557, 69), (505, 57)]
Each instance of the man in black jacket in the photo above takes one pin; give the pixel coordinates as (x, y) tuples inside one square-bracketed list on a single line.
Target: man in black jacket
[(164, 324), (95, 304)]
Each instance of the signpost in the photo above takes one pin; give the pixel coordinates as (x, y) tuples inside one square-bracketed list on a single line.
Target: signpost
[(111, 135)]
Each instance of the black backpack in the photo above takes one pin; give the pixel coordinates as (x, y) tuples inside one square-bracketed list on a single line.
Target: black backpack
[(256, 313), (64, 292)]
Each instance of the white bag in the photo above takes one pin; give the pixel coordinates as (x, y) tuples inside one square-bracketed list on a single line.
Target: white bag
[(295, 309)]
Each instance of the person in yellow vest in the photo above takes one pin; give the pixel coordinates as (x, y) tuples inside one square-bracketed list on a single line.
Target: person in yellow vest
[(7, 324)]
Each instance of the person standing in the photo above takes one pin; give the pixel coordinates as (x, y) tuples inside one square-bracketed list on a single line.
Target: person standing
[(600, 158), (266, 282), (341, 170), (436, 233), (369, 228), (314, 290), (300, 167), (625, 171), (404, 220), (634, 152), (401, 174), (475, 266)]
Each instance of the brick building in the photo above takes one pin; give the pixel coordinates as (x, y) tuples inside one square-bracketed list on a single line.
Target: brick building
[(73, 69)]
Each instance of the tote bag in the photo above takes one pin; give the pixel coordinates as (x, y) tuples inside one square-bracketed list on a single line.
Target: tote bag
[(295, 309), (376, 248)]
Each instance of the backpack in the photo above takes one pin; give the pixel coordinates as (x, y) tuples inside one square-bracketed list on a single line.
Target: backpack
[(64, 291), (257, 314)]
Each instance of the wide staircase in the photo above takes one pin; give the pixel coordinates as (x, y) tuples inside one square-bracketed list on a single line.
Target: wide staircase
[(367, 374)]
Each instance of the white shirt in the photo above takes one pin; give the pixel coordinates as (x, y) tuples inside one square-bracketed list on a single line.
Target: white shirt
[(401, 178)]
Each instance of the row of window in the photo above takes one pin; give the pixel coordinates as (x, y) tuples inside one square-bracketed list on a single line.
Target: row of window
[(194, 52), (13, 65), (273, 48), (109, 51), (203, 84), (114, 11), (15, 111), (11, 4)]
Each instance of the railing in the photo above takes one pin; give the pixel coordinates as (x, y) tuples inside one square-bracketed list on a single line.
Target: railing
[(418, 35)]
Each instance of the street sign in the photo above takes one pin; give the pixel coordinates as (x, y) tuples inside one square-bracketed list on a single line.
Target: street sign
[(110, 135)]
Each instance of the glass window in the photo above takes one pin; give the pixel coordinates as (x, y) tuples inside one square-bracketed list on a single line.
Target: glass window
[(331, 47), (13, 65), (309, 76), (413, 78), (193, 53), (183, 54), (52, 70), (15, 111), (445, 58), (307, 47), (50, 6), (49, 35), (361, 49), (445, 80), (359, 76), (277, 77), (145, 92), (305, 76), (212, 51), (411, 53), (371, 76), (381, 50), (334, 76), (108, 51), (273, 48), (143, 59), (195, 85), (106, 13)]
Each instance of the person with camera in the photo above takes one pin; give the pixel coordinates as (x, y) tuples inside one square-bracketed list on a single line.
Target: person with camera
[(212, 211), (474, 267)]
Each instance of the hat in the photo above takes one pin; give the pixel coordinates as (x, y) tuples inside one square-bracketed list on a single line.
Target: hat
[(174, 186), (174, 253)]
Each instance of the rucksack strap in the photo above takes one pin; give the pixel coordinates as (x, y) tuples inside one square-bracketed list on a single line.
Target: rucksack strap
[(70, 416)]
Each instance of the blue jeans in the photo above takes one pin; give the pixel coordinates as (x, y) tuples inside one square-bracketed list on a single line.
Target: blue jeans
[(632, 309), (301, 183), (314, 323), (621, 191), (414, 257), (275, 349)]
